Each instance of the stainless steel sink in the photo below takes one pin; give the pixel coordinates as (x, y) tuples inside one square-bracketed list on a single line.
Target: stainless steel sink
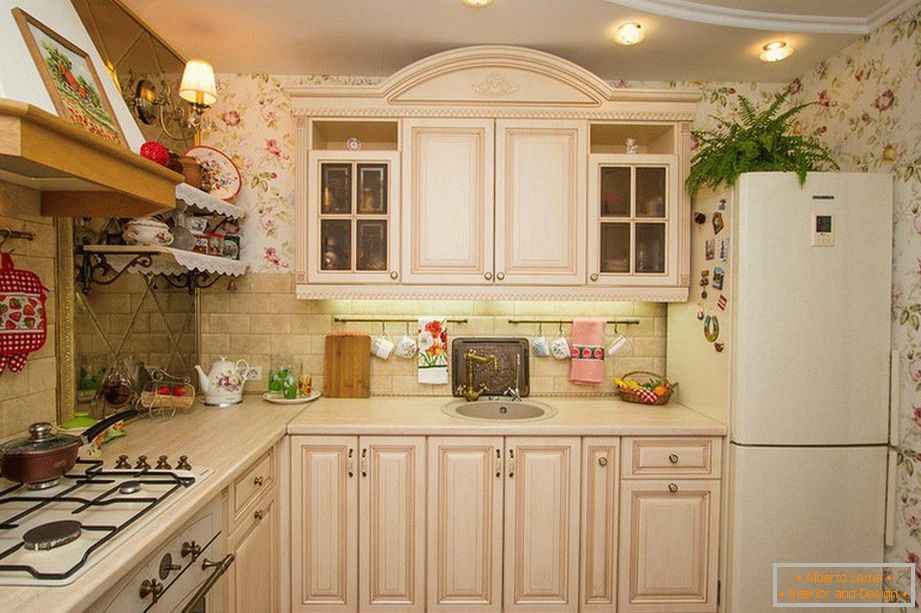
[(499, 410)]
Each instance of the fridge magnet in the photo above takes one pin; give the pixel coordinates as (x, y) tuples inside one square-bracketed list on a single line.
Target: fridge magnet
[(721, 302), (717, 223), (724, 249), (711, 328), (700, 218), (718, 277), (722, 204), (719, 346), (700, 311), (710, 249)]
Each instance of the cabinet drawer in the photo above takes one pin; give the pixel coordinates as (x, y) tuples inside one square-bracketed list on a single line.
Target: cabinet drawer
[(671, 457), (259, 477)]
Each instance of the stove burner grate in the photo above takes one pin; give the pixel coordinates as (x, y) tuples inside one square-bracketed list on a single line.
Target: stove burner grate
[(51, 535)]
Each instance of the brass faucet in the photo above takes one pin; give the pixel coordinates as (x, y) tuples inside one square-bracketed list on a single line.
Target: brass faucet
[(469, 391)]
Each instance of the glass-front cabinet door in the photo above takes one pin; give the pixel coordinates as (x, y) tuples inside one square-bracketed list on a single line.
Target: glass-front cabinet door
[(632, 220), (352, 217)]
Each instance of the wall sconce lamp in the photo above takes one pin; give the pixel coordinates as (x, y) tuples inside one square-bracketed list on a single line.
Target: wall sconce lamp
[(197, 87)]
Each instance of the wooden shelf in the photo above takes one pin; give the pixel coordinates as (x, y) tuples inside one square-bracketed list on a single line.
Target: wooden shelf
[(79, 174)]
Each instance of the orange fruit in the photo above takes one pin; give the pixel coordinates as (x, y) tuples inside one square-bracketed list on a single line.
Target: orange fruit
[(661, 390)]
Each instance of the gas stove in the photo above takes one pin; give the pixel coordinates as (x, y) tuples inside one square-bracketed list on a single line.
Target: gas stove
[(53, 535)]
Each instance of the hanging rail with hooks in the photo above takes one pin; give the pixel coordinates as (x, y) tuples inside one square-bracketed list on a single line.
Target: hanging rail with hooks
[(561, 322), (8, 234), (386, 320)]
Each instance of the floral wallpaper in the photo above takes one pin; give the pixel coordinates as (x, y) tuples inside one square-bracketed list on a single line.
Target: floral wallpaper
[(866, 109)]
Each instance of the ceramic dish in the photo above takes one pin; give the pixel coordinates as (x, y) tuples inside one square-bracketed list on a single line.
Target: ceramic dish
[(223, 173), (274, 400)]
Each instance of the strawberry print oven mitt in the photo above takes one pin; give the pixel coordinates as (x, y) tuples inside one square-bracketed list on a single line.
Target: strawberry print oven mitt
[(23, 320)]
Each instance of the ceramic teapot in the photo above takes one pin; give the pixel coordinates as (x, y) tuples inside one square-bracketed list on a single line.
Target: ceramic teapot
[(223, 385)]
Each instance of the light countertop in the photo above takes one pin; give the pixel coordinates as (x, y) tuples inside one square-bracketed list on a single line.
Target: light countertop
[(229, 440)]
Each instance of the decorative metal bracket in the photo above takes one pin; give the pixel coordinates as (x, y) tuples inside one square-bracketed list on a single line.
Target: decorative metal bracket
[(193, 279), (95, 268)]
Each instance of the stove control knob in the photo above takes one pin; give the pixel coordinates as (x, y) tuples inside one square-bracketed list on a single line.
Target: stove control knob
[(122, 462), (190, 548), (167, 566), (142, 463), (162, 463), (152, 588), (184, 463)]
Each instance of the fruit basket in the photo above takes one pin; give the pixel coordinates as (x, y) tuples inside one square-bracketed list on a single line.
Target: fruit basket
[(644, 387), (165, 394)]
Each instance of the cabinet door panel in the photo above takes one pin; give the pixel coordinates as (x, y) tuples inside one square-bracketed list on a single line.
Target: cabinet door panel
[(540, 202), (255, 566), (448, 201), (542, 524), (465, 524), (599, 524), (669, 540), (324, 524), (392, 524)]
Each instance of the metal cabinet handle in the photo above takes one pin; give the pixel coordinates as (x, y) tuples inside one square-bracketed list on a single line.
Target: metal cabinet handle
[(673, 487), (259, 515), (350, 465), (219, 569), (364, 462), (500, 276), (673, 458), (511, 463), (593, 276), (602, 461), (394, 275), (258, 481), (498, 463), (488, 276)]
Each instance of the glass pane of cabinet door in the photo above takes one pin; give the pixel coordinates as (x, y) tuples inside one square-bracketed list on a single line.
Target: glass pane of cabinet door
[(352, 206), (633, 198)]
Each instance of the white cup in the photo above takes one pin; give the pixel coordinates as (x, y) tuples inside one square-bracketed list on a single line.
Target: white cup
[(618, 343), (559, 348), (407, 347), (540, 347), (381, 347)]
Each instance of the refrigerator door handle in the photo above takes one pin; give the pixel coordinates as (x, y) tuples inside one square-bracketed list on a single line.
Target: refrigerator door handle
[(891, 493), (895, 392)]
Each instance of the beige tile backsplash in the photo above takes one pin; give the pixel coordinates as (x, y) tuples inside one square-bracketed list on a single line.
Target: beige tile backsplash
[(31, 395), (262, 317)]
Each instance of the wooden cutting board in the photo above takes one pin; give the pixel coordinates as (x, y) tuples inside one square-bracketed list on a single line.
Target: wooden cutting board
[(347, 366)]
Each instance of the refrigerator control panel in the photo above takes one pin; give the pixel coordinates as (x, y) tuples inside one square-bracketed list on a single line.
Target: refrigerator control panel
[(823, 230)]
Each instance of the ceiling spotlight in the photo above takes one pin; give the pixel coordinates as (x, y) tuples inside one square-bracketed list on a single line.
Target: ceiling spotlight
[(775, 51), (629, 33), (477, 4)]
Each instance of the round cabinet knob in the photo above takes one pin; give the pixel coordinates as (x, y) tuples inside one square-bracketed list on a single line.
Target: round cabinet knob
[(593, 276), (500, 275), (488, 276), (673, 487), (602, 461), (673, 458), (258, 481), (394, 275), (259, 514)]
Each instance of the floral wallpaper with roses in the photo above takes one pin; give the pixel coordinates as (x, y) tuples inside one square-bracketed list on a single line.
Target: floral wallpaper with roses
[(868, 110)]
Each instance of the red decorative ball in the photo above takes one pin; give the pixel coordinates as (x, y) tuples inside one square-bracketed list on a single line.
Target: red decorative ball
[(155, 152)]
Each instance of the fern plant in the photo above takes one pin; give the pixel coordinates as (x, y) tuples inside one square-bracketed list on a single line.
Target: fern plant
[(759, 141)]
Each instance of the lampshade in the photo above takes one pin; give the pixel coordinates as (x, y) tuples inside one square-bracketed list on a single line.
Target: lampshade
[(197, 84)]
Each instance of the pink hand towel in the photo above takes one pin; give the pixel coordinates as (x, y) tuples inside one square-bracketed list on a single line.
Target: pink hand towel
[(587, 350)]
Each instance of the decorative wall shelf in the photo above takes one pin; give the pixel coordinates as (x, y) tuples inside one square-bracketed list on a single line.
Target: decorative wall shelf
[(79, 174), (104, 264), (205, 202)]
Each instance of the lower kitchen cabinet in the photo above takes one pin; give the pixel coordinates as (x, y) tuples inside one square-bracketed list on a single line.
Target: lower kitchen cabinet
[(358, 546), (542, 524), (669, 539), (254, 572), (600, 483)]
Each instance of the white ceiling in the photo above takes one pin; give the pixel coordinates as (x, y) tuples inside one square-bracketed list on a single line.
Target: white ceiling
[(377, 37)]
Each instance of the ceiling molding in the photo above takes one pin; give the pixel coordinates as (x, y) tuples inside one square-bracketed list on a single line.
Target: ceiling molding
[(689, 10)]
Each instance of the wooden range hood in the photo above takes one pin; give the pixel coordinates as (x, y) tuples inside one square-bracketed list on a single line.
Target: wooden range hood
[(78, 173)]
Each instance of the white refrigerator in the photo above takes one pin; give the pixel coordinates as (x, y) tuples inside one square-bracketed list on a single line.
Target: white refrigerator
[(803, 377)]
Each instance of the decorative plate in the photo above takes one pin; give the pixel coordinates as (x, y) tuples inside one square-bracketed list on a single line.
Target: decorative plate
[(300, 400), (225, 177)]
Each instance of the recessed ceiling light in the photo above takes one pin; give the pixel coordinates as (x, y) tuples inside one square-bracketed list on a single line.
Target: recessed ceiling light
[(775, 51), (477, 4), (629, 33)]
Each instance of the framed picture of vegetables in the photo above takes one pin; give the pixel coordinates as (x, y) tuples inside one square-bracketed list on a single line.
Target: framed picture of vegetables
[(72, 82)]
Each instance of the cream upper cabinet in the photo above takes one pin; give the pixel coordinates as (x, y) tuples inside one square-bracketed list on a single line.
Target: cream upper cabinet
[(465, 498), (669, 541), (392, 524), (324, 524), (447, 200), (542, 524), (600, 496), (540, 202)]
